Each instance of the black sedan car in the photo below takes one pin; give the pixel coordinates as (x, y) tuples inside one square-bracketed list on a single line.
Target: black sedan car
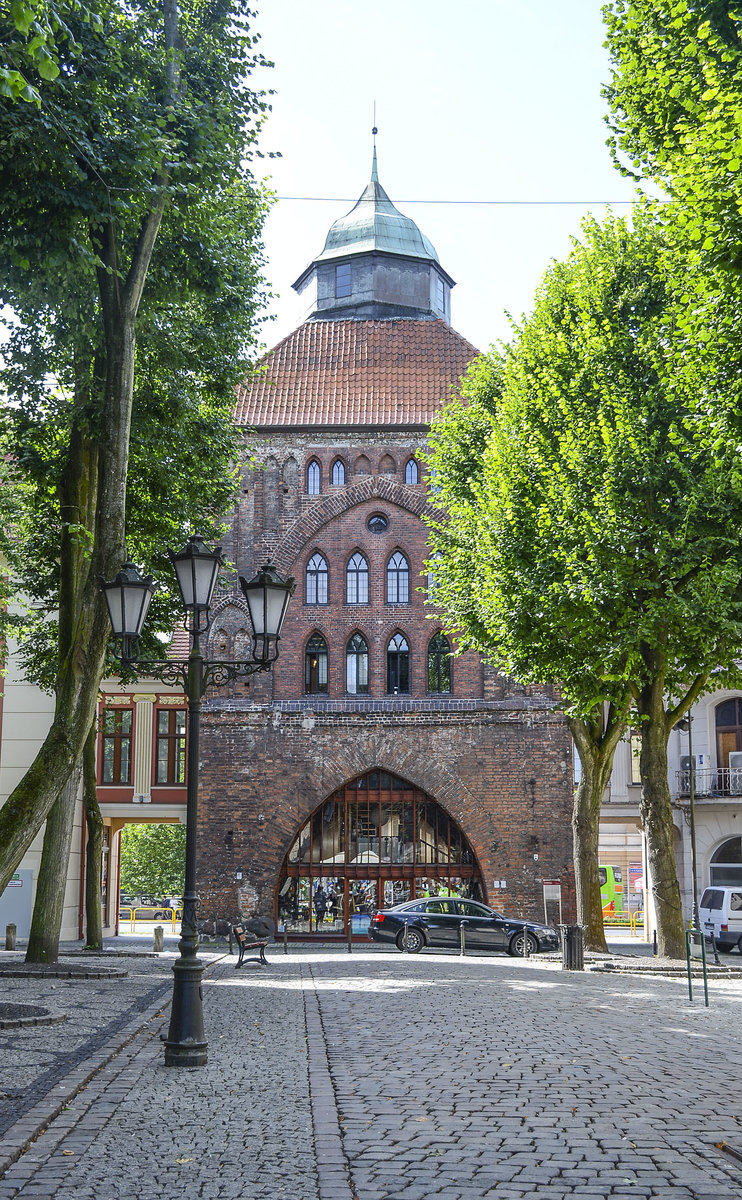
[(438, 922)]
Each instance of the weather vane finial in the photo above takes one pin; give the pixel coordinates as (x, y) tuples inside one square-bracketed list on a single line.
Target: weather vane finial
[(374, 131)]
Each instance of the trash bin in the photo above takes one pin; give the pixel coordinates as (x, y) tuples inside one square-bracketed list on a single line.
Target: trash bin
[(573, 953)]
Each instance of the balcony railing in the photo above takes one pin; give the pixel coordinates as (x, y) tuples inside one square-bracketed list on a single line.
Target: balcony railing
[(710, 781)]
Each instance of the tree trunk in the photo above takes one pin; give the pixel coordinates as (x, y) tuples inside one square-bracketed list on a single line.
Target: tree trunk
[(83, 614), (656, 811), (43, 942), (94, 847), (596, 739)]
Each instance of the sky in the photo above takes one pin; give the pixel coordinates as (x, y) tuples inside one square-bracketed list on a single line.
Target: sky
[(484, 100)]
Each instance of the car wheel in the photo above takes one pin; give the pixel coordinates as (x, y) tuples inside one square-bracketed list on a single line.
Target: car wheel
[(413, 941), (516, 944), (726, 949)]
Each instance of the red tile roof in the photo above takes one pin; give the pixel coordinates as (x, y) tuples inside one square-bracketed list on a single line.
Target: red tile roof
[(395, 372)]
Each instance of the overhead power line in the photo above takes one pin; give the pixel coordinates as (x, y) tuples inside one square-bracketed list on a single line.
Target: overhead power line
[(353, 200)]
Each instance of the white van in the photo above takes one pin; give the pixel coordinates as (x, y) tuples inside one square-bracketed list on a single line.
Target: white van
[(720, 909)]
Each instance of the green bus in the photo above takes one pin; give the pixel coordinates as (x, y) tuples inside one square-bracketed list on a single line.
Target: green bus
[(611, 888)]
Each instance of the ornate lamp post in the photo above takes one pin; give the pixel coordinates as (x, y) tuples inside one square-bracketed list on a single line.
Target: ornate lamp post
[(128, 597)]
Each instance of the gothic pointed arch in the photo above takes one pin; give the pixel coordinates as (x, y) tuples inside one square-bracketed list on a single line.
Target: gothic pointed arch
[(376, 840), (327, 508)]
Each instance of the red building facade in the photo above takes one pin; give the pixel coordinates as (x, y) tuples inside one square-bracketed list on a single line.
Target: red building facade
[(373, 764)]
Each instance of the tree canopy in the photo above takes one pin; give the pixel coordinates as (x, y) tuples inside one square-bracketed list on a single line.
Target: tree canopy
[(153, 860), (130, 224), (592, 536)]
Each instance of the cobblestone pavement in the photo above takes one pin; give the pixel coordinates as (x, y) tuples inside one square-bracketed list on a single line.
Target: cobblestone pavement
[(381, 1076)]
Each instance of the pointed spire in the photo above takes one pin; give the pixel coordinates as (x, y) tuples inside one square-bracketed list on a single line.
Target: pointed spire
[(374, 169)]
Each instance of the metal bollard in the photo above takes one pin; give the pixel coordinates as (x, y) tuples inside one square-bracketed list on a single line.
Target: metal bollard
[(10, 937), (350, 935), (654, 943), (285, 939), (404, 940), (462, 939), (687, 963)]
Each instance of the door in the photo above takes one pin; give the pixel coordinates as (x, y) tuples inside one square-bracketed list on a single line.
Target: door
[(483, 931), (442, 922)]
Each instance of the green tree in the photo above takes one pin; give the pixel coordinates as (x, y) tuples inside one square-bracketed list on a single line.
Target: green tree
[(592, 543), (676, 112), (153, 860), (129, 222)]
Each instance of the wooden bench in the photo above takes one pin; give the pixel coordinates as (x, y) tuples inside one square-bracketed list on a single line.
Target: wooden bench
[(247, 941)]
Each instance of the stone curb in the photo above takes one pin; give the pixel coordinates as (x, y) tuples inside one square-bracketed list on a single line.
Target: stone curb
[(16, 1140), (333, 1171), (23, 1022)]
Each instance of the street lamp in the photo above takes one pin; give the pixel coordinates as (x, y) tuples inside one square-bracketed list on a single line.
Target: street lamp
[(128, 597), (686, 724)]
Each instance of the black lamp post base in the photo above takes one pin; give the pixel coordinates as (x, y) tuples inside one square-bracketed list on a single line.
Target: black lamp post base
[(186, 1045), (181, 1054)]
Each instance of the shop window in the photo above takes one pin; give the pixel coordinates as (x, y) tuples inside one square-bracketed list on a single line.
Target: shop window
[(398, 666), (439, 664), (316, 589), (171, 742), (338, 473), (116, 763), (313, 478), (411, 473), (356, 580), (398, 580), (356, 665), (315, 665)]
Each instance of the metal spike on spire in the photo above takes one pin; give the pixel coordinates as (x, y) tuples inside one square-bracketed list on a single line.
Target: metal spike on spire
[(374, 168)]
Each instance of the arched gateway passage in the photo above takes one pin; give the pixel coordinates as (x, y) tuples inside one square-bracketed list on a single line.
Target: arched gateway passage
[(376, 841)]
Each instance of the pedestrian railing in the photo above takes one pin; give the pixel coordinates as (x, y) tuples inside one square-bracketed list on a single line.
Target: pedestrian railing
[(171, 914)]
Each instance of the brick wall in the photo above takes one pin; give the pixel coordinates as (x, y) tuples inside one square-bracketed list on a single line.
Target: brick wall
[(503, 773)]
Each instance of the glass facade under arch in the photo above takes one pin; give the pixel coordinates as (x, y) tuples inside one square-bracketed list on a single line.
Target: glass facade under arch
[(375, 842)]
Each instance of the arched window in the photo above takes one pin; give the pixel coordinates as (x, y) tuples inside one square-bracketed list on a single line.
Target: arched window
[(439, 664), (362, 466), (356, 580), (387, 466), (726, 864), (313, 478), (728, 729), (338, 473), (411, 473), (290, 473), (356, 665), (397, 665), (315, 665), (317, 580), (398, 580)]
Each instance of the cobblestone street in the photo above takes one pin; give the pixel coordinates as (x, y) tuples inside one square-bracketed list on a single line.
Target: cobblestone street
[(380, 1075)]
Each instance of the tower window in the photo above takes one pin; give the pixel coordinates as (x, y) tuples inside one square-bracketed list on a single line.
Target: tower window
[(356, 665), (440, 292), (342, 280), (439, 664), (315, 665), (411, 474), (313, 478), (356, 580), (317, 580), (398, 665), (398, 580)]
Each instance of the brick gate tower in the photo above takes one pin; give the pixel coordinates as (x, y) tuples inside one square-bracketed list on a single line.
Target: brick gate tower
[(372, 763)]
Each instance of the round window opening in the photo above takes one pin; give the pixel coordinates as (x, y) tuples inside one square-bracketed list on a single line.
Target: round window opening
[(377, 523)]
